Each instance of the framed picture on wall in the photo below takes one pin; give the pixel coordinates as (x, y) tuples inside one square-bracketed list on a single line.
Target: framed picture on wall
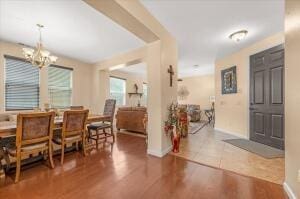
[(229, 83)]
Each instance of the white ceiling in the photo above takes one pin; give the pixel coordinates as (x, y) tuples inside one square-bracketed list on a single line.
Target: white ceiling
[(72, 28), (202, 27), (136, 69)]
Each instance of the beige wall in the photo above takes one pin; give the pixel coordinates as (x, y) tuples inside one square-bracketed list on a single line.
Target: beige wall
[(200, 89), (232, 110), (101, 73), (159, 53), (130, 81), (82, 74), (292, 96)]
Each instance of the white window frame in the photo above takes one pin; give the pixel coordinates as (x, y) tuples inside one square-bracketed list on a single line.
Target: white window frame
[(71, 86), (124, 94)]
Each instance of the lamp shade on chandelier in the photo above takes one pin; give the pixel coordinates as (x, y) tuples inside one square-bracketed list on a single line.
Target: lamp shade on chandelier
[(39, 56)]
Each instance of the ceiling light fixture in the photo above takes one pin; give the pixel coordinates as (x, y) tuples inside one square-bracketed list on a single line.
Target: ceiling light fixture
[(39, 56), (239, 35)]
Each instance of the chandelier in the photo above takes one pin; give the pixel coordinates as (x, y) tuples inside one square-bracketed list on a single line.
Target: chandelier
[(183, 92), (39, 56)]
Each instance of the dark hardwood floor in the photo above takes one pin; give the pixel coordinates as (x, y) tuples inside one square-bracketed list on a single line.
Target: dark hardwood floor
[(128, 172)]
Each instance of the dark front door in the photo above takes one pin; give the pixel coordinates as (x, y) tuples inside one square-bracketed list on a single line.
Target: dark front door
[(267, 97)]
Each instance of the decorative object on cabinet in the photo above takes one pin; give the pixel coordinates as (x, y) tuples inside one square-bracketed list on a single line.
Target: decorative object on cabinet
[(136, 89)]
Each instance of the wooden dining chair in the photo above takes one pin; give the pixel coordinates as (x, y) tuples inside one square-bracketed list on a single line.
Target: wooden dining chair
[(73, 130), (34, 135), (109, 111)]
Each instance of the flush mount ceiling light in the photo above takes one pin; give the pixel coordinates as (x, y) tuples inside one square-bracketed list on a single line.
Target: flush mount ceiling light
[(239, 35)]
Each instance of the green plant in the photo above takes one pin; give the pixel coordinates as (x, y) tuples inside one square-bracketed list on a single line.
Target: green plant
[(172, 121)]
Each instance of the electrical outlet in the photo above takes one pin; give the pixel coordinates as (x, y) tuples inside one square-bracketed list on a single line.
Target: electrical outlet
[(299, 175)]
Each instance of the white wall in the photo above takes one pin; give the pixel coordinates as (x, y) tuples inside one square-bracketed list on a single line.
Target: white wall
[(82, 77)]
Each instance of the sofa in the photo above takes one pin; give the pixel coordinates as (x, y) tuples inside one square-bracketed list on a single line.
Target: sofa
[(194, 111), (131, 119)]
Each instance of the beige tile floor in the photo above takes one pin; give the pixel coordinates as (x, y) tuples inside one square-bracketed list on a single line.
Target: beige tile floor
[(206, 147)]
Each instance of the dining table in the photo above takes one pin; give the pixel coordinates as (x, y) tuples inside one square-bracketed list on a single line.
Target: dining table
[(9, 131)]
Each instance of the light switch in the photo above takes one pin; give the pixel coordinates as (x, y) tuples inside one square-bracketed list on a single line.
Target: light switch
[(299, 175)]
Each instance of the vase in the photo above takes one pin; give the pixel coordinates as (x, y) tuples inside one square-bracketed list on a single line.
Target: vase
[(175, 143)]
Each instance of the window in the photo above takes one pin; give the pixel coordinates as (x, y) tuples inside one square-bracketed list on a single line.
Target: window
[(22, 87), (145, 90), (118, 90), (59, 86)]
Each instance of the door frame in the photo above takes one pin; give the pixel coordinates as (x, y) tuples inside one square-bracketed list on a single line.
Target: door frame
[(252, 52)]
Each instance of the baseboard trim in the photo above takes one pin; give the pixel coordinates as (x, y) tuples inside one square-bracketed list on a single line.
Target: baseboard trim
[(289, 191), (231, 133), (158, 153)]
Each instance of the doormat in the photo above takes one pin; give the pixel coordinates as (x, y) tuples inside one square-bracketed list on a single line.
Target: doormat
[(257, 148)]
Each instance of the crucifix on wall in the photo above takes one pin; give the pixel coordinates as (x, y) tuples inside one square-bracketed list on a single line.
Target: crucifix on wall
[(171, 71)]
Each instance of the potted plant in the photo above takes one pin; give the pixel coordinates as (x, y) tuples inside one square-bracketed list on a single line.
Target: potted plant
[(171, 127)]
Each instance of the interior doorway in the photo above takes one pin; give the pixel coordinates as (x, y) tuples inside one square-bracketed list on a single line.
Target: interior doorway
[(131, 113)]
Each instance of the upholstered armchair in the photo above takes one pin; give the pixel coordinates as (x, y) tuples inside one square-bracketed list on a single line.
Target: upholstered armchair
[(194, 112), (132, 119)]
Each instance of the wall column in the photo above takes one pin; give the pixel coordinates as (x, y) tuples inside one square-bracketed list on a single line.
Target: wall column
[(292, 98), (161, 52), (100, 90), (160, 55)]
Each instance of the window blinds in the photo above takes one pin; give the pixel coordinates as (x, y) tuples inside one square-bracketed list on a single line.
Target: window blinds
[(59, 86), (21, 85)]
